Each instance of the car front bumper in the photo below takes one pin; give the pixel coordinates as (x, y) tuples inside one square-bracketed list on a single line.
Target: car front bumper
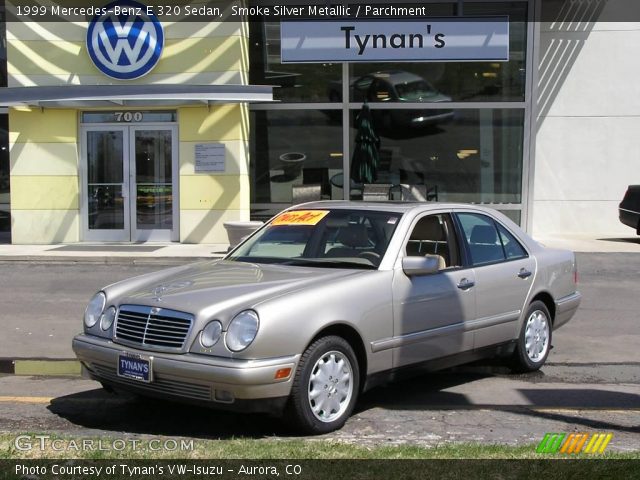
[(225, 383)]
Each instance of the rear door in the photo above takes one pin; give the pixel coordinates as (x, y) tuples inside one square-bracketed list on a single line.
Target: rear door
[(504, 273)]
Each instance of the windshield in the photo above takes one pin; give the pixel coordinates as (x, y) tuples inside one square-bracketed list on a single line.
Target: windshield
[(322, 238), (417, 90)]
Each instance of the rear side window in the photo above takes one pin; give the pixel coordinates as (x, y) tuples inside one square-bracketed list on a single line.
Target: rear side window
[(482, 238), (488, 241), (512, 247)]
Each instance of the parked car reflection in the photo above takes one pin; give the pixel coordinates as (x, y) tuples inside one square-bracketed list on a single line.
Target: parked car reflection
[(397, 86)]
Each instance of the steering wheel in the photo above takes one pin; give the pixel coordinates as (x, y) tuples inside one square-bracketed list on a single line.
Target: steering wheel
[(373, 257)]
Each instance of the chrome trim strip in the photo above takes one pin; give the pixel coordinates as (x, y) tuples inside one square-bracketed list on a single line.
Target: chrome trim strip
[(568, 303), (494, 320), (417, 337)]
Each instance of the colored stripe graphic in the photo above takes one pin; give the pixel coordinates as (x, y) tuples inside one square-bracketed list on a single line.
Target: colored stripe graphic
[(574, 443), (551, 443), (598, 443)]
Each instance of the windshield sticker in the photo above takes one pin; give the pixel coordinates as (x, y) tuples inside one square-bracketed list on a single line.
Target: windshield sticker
[(300, 217), (392, 220)]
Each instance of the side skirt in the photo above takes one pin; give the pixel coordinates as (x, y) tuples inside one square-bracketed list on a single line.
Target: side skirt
[(380, 378)]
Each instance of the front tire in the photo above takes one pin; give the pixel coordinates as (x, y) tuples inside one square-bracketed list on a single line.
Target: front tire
[(534, 342), (325, 387)]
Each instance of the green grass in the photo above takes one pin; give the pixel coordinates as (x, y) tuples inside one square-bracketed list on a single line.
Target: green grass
[(273, 449)]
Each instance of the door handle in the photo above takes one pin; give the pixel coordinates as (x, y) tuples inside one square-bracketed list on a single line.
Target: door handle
[(524, 273), (465, 284)]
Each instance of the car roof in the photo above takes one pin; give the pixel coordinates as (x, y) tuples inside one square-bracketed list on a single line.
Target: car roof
[(387, 206), (397, 76)]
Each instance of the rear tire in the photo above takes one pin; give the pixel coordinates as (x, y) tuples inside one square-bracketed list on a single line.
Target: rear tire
[(534, 341), (325, 387)]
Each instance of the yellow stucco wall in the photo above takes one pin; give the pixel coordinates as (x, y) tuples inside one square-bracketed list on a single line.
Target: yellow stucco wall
[(45, 164), (206, 201), (44, 175)]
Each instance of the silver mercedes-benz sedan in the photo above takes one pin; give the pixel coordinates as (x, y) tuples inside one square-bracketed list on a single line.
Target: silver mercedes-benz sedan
[(327, 300)]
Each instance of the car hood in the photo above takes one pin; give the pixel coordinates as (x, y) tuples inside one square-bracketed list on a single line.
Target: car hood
[(211, 287)]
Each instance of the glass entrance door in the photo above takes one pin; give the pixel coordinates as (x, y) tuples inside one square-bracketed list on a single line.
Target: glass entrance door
[(129, 179), (153, 154)]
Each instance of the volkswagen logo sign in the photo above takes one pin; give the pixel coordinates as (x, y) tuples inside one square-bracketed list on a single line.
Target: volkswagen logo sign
[(126, 42)]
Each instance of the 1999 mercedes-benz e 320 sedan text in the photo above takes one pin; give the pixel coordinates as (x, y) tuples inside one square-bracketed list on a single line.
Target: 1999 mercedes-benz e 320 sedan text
[(327, 300)]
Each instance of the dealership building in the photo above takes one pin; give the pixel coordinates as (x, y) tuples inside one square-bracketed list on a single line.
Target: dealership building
[(162, 126)]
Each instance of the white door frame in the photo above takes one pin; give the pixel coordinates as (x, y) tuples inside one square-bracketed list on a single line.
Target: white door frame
[(95, 235), (156, 235), (129, 233)]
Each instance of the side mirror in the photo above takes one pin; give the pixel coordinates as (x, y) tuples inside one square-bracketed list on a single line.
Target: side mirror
[(413, 266)]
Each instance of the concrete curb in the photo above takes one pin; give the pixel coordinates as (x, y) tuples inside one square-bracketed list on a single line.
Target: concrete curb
[(40, 366)]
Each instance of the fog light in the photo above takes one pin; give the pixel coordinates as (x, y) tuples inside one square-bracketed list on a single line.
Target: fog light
[(223, 396), (211, 334), (107, 318)]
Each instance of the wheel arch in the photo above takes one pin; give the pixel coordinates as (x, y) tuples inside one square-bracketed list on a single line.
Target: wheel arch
[(547, 299), (354, 339)]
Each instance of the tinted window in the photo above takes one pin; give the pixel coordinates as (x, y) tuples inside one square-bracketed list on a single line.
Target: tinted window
[(482, 238), (512, 247)]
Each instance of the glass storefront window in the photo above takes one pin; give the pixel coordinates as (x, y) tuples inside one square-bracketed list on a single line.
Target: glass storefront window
[(451, 81), (429, 143), (316, 82), (292, 149), (464, 155)]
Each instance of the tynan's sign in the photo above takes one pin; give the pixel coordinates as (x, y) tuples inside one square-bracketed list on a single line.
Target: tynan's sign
[(126, 42), (437, 39)]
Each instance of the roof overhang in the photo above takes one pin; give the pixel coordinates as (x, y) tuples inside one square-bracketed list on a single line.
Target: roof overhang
[(87, 96)]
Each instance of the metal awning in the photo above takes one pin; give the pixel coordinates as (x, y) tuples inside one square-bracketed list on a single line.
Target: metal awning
[(86, 96)]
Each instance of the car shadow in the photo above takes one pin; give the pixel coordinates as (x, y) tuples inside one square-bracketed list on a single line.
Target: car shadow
[(121, 412), (100, 410)]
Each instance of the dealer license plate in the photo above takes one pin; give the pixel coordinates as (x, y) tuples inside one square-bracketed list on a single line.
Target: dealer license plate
[(135, 367)]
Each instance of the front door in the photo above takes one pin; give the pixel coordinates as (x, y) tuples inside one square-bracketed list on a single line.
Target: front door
[(432, 312), (129, 183)]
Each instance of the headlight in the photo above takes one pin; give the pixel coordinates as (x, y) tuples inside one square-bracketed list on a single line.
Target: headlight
[(94, 309), (211, 334), (107, 318), (242, 330)]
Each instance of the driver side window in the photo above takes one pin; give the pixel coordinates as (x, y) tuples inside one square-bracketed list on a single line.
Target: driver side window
[(434, 235)]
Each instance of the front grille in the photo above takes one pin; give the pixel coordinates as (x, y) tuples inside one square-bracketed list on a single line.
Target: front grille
[(159, 384), (152, 326)]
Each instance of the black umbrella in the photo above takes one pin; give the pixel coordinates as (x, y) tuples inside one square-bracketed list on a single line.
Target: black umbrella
[(364, 162)]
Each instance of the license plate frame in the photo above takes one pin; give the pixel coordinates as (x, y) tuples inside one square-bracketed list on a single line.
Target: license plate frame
[(133, 366)]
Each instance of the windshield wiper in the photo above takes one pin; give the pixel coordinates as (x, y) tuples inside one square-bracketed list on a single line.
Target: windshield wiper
[(332, 263)]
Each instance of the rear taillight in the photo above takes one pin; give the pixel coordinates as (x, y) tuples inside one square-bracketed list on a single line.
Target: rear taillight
[(575, 270)]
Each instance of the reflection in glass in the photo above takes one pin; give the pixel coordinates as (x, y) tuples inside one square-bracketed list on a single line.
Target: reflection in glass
[(105, 180), (154, 192), (461, 81), (105, 156), (154, 207), (295, 147), (106, 207), (473, 156), (316, 82)]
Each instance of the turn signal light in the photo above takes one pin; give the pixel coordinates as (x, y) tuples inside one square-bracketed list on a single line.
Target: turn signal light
[(282, 373)]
